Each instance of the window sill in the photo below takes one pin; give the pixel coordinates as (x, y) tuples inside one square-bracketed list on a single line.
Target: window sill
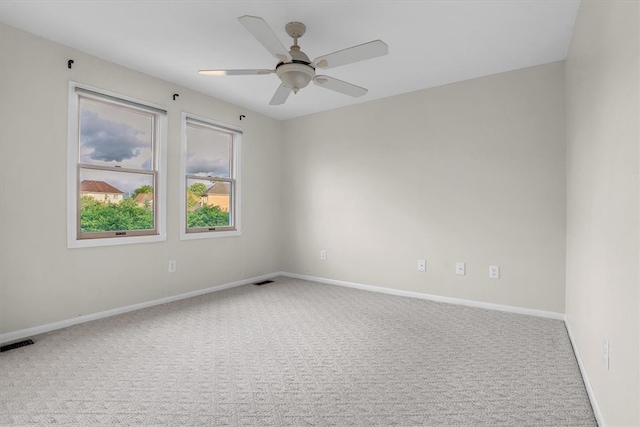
[(209, 235), (114, 241)]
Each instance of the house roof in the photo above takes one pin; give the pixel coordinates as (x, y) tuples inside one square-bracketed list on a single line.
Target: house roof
[(218, 188), (90, 186), (143, 197)]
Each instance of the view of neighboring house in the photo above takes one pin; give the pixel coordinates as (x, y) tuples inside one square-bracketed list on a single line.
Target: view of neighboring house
[(144, 200), (101, 191), (217, 195)]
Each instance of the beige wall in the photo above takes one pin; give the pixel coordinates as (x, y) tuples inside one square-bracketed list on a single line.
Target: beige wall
[(472, 171), (603, 78), (41, 281)]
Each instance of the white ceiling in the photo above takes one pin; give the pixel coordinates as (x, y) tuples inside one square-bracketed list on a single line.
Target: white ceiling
[(431, 43)]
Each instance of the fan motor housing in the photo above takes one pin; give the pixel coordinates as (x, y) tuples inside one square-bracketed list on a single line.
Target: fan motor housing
[(295, 75)]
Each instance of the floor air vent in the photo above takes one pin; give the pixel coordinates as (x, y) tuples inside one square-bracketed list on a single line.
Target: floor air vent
[(264, 282), (15, 345)]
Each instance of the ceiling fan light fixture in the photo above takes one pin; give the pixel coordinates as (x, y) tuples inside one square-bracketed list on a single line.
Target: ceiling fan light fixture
[(295, 76), (294, 68)]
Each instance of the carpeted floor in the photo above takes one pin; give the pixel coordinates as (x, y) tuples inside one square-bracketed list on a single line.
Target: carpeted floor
[(297, 353)]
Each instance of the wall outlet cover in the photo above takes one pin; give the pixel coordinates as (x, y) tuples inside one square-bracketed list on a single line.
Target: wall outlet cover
[(494, 272)]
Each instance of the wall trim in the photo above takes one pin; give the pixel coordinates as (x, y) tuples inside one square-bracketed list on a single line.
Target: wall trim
[(431, 297), (585, 378), (36, 330)]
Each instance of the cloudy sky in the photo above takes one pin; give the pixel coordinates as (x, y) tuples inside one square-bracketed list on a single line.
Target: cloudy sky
[(115, 136), (111, 135), (208, 151)]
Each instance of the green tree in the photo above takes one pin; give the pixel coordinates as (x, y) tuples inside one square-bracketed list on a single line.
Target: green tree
[(207, 216), (197, 188), (194, 191), (96, 216)]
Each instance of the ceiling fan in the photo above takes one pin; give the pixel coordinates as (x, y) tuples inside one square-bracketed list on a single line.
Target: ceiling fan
[(294, 68)]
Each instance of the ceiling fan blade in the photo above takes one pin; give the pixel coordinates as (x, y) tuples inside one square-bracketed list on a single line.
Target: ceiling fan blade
[(339, 86), (281, 95), (352, 54), (233, 72), (265, 35)]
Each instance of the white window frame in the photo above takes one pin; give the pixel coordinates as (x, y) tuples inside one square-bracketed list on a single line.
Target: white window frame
[(236, 175), (73, 182)]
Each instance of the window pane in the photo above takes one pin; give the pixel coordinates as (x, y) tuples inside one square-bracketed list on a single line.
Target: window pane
[(208, 203), (208, 152), (115, 135), (115, 201)]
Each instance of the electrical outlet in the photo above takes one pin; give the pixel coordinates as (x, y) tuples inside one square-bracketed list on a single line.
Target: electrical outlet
[(494, 272), (605, 352), (422, 265), (460, 268), (323, 254), (172, 266)]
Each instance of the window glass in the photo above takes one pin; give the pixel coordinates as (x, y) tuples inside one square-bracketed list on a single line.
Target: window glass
[(210, 179), (208, 151), (115, 201), (113, 135), (209, 204), (116, 179)]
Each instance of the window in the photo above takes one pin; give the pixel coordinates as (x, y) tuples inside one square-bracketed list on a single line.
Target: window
[(211, 179), (116, 178)]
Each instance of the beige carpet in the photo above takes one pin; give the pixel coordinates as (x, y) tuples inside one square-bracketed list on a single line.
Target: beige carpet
[(297, 353)]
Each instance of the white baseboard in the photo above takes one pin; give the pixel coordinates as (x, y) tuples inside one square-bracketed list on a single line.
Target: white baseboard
[(438, 298), (29, 332), (585, 378)]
